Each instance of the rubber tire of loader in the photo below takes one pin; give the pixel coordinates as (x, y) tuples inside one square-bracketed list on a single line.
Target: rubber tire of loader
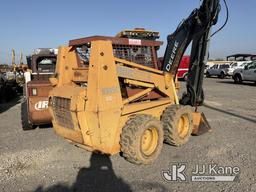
[(26, 125), (132, 137), (170, 119)]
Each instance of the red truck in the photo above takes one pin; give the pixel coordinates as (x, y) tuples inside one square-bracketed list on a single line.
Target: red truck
[(183, 68)]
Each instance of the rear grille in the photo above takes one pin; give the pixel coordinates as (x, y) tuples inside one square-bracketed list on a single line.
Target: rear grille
[(62, 113)]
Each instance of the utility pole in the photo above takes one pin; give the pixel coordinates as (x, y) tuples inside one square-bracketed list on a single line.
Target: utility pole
[(13, 57), (13, 60)]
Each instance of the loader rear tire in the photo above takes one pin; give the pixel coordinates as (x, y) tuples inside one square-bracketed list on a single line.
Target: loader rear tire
[(142, 139), (178, 124), (26, 125)]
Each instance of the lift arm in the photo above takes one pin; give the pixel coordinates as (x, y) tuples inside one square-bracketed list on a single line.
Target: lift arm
[(196, 29)]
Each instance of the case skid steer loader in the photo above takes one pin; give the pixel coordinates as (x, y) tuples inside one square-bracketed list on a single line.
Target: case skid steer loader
[(110, 95)]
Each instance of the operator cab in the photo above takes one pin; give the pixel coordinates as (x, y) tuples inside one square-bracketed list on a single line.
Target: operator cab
[(139, 46), (46, 64), (42, 63)]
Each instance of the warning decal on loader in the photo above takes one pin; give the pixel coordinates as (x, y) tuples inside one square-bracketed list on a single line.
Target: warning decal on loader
[(134, 42)]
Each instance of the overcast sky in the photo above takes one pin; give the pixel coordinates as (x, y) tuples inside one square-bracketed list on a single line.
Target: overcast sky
[(29, 24)]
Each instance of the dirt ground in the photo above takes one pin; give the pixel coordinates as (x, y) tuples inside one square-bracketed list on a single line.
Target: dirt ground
[(41, 161)]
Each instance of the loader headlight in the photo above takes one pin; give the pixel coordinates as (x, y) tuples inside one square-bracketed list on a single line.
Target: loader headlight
[(34, 91)]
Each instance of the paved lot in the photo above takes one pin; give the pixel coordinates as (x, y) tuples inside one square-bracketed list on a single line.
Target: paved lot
[(39, 160)]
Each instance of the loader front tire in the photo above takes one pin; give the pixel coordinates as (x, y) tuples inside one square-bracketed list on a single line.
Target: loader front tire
[(142, 139), (26, 125), (178, 124)]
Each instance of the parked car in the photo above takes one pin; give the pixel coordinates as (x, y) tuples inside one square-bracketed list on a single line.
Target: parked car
[(183, 68), (247, 73), (220, 70), (237, 65), (206, 68)]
